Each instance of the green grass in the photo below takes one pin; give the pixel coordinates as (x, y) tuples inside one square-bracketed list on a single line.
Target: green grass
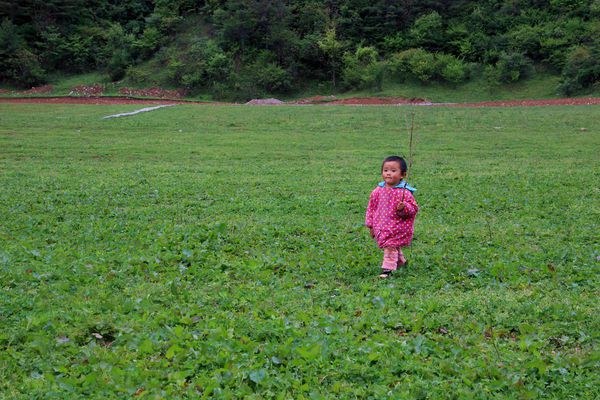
[(541, 86), (218, 252), (64, 84)]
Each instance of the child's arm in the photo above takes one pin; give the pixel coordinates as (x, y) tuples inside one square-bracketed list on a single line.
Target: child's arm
[(371, 211), (409, 207)]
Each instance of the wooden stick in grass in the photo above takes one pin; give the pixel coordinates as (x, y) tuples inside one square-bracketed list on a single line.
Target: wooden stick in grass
[(410, 152)]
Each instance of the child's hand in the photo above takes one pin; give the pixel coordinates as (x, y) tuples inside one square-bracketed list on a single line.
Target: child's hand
[(400, 207), (371, 232)]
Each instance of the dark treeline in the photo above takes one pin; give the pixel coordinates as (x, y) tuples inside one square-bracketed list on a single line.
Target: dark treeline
[(244, 48)]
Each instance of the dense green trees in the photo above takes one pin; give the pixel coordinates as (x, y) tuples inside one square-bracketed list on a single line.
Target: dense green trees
[(245, 48)]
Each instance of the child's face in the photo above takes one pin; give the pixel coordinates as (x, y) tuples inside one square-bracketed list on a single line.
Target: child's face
[(391, 173)]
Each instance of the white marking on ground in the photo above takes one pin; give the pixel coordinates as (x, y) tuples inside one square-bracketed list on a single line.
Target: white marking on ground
[(138, 111)]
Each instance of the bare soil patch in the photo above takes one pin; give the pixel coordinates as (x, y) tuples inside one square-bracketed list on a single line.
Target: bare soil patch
[(99, 100), (376, 101), (87, 91), (83, 100), (154, 92), (316, 100)]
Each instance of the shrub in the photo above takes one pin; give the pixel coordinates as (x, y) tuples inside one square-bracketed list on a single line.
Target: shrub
[(257, 78), (491, 74), (582, 69), (18, 64), (75, 52), (55, 50), (271, 77), (23, 69), (362, 69), (176, 70), (510, 67), (148, 42), (118, 64), (332, 48), (557, 38), (398, 64), (595, 8), (267, 74), (10, 40), (514, 66), (201, 65), (450, 68), (525, 39), (417, 63), (394, 43), (352, 73), (119, 50), (427, 31), (86, 50), (218, 64), (422, 65), (137, 75)]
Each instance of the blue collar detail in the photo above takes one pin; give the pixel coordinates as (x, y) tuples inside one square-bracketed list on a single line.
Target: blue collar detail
[(402, 185)]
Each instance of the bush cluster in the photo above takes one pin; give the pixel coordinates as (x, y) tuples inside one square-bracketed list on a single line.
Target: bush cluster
[(363, 69), (425, 66), (510, 67), (582, 69)]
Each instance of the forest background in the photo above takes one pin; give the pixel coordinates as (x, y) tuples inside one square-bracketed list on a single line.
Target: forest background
[(236, 49)]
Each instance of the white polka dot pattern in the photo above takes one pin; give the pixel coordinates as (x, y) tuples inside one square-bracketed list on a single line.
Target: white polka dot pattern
[(391, 227)]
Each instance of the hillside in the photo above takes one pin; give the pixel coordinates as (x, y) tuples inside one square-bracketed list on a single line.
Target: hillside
[(241, 49)]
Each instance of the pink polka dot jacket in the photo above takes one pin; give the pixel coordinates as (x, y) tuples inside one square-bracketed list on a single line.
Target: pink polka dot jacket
[(392, 228)]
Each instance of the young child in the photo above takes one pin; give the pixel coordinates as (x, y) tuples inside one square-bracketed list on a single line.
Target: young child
[(391, 214)]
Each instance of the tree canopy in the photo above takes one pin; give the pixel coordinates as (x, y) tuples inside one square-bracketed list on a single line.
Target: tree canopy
[(265, 46)]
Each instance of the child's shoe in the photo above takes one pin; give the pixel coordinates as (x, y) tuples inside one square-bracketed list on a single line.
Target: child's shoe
[(385, 274)]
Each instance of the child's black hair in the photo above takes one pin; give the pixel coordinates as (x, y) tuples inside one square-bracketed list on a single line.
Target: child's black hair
[(399, 160)]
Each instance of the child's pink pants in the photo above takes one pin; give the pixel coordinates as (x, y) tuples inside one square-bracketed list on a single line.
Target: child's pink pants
[(392, 258)]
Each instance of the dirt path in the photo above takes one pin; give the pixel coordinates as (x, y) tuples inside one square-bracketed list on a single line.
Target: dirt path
[(364, 101)]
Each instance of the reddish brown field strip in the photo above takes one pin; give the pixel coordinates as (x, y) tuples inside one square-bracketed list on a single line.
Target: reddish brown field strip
[(365, 101)]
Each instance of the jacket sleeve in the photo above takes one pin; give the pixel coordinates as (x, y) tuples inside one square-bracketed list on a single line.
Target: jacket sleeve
[(411, 208), (371, 209)]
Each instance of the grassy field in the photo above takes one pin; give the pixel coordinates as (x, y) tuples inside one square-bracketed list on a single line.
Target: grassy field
[(543, 85), (219, 252)]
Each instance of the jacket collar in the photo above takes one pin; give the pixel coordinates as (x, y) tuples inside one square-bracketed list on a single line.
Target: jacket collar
[(402, 185)]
